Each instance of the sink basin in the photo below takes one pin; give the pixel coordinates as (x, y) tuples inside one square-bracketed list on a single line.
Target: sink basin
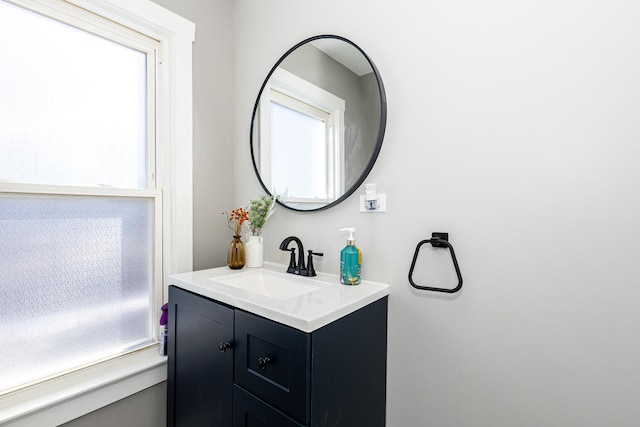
[(280, 286)]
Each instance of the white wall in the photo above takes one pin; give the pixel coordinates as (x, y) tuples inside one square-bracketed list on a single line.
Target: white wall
[(514, 127)]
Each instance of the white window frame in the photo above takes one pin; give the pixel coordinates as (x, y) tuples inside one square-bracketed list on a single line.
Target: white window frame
[(283, 82), (65, 398)]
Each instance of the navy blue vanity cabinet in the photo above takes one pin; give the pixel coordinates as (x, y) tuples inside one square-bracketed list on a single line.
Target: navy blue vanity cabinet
[(283, 377)]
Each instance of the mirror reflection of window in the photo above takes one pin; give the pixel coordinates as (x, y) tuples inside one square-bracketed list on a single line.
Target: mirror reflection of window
[(302, 141), (299, 151)]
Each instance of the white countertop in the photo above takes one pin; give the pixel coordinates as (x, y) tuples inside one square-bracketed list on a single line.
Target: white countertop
[(307, 312)]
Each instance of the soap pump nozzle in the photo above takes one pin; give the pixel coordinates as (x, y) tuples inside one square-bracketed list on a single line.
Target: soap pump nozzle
[(351, 240)]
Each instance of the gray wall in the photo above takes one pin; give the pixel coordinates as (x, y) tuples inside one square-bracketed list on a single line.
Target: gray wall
[(514, 127), (147, 408)]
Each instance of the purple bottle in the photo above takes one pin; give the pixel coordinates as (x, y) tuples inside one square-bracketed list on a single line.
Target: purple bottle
[(163, 329)]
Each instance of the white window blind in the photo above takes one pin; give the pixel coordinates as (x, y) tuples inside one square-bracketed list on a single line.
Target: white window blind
[(79, 219)]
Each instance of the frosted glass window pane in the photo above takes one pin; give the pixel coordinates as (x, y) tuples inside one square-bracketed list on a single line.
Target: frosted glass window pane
[(76, 282), (298, 153), (72, 105)]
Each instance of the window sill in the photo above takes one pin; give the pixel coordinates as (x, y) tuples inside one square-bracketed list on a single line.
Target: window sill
[(71, 396)]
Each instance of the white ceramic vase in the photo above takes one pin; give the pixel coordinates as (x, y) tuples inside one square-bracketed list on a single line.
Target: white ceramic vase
[(254, 250)]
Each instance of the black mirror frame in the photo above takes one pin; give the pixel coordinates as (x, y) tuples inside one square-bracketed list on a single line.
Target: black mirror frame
[(381, 127)]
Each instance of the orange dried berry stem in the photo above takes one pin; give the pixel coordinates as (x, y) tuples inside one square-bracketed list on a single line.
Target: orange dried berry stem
[(236, 219)]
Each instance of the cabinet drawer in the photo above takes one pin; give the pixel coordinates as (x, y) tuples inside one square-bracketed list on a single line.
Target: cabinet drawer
[(249, 411), (272, 361)]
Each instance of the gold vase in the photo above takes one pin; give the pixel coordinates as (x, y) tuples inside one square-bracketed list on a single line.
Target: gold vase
[(236, 256)]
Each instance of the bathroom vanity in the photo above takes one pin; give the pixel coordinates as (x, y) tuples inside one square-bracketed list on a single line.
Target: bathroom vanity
[(258, 347)]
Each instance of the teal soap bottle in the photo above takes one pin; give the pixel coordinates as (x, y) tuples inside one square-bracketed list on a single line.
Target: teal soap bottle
[(350, 260)]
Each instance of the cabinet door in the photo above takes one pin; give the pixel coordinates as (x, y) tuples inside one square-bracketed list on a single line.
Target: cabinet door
[(272, 361), (249, 411), (200, 383)]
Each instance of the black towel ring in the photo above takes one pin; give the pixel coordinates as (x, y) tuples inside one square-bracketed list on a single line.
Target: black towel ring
[(438, 240)]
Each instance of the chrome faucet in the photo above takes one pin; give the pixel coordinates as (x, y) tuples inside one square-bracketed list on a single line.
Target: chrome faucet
[(299, 266)]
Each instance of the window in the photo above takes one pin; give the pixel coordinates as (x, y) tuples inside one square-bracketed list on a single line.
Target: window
[(301, 140), (80, 209), (300, 143)]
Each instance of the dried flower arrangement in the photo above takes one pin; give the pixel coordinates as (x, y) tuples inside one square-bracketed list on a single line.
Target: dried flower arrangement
[(236, 218)]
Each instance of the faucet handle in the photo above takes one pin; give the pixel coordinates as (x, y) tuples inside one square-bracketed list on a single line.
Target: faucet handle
[(310, 270), (292, 260)]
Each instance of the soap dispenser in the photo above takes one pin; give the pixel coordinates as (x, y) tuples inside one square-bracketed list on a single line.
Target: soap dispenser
[(350, 260)]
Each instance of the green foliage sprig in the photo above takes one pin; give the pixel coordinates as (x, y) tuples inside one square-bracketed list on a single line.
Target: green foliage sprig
[(260, 210)]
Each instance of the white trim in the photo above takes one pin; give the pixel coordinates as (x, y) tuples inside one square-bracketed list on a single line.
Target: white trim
[(14, 187), (296, 87), (64, 399), (158, 280), (66, 12), (151, 124)]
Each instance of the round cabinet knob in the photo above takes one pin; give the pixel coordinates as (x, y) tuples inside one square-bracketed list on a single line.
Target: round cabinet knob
[(224, 346), (263, 362)]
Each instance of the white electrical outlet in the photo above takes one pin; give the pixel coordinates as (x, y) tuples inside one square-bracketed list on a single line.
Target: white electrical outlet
[(382, 204)]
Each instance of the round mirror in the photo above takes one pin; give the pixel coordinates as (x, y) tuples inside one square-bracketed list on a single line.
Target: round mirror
[(318, 123)]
